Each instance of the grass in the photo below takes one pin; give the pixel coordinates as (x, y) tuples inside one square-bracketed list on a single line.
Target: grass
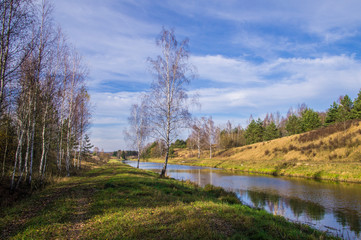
[(115, 201), (331, 153)]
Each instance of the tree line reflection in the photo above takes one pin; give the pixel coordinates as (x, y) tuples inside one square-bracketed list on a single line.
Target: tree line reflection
[(312, 211)]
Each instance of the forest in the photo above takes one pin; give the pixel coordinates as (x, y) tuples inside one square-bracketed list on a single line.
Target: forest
[(45, 106)]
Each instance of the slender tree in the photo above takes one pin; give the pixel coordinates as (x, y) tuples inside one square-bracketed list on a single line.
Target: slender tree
[(168, 109), (210, 132), (139, 130), (15, 18)]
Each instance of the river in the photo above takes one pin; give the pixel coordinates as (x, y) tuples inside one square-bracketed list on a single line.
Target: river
[(327, 206)]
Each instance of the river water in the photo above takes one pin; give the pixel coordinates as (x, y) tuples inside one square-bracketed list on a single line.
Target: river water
[(327, 206)]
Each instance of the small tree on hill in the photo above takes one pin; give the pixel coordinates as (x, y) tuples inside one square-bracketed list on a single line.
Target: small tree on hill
[(254, 132), (310, 120), (344, 110), (271, 132), (293, 125), (332, 114), (356, 110)]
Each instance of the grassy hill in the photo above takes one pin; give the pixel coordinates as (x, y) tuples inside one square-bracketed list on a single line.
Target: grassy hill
[(332, 153)]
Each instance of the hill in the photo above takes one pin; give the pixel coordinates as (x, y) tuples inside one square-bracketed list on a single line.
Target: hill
[(330, 153)]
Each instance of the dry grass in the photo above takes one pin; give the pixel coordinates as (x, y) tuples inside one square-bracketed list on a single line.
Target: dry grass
[(332, 153)]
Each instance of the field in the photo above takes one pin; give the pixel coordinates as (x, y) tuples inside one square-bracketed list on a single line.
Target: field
[(331, 153), (115, 201)]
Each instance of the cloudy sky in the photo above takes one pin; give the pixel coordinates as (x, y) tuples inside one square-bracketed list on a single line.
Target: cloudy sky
[(252, 57)]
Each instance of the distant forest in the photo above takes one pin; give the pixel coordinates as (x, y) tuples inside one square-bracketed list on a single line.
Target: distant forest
[(206, 136)]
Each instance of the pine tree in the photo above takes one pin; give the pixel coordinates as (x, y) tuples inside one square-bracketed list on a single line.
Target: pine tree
[(254, 132), (310, 120), (332, 114), (356, 110), (344, 110), (271, 132), (86, 152), (293, 125)]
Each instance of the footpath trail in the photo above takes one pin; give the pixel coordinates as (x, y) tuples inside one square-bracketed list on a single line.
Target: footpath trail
[(115, 201)]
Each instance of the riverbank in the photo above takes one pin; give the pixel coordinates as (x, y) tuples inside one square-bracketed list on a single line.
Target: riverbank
[(117, 201), (332, 153)]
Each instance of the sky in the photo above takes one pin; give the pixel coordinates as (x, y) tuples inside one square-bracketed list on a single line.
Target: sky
[(252, 57)]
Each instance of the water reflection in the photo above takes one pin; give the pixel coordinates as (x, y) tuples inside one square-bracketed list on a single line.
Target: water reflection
[(350, 219), (279, 206), (331, 207)]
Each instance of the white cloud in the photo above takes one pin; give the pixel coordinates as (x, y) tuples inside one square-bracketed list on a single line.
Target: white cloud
[(306, 80), (116, 37), (227, 70), (111, 41)]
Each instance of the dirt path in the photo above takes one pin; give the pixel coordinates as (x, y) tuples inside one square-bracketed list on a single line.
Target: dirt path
[(80, 214)]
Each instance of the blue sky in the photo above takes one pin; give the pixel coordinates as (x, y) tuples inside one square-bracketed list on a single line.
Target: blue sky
[(252, 57)]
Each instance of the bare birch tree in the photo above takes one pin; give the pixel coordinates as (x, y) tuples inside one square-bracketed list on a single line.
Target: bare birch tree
[(16, 16), (138, 127), (78, 74), (210, 133), (168, 109), (197, 135)]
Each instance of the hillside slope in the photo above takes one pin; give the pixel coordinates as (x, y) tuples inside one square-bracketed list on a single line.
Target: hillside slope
[(332, 153)]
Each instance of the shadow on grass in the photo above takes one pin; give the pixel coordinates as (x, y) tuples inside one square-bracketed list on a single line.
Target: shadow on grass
[(117, 201)]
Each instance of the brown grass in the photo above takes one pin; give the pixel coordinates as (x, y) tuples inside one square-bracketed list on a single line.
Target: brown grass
[(336, 150)]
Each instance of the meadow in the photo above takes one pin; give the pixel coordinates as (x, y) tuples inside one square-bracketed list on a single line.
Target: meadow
[(115, 201)]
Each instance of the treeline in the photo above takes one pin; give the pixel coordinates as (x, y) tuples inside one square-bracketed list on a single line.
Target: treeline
[(157, 149), (125, 154), (44, 102), (205, 136)]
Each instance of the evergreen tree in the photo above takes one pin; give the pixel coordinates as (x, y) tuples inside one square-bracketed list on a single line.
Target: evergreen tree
[(293, 125), (271, 132), (344, 110), (310, 120), (254, 132), (356, 110), (332, 114), (86, 147)]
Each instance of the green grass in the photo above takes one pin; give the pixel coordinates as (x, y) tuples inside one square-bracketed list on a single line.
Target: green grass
[(115, 201)]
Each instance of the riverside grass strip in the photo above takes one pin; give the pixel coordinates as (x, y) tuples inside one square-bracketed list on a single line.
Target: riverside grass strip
[(115, 201)]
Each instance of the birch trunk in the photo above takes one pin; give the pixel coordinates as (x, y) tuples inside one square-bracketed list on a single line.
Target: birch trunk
[(43, 141), (68, 136), (32, 133), (17, 156), (28, 137)]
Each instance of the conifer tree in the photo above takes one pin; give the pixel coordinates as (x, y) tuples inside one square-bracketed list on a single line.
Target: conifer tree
[(86, 147), (344, 110), (254, 132), (310, 120), (332, 114), (293, 125), (356, 110), (271, 132)]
